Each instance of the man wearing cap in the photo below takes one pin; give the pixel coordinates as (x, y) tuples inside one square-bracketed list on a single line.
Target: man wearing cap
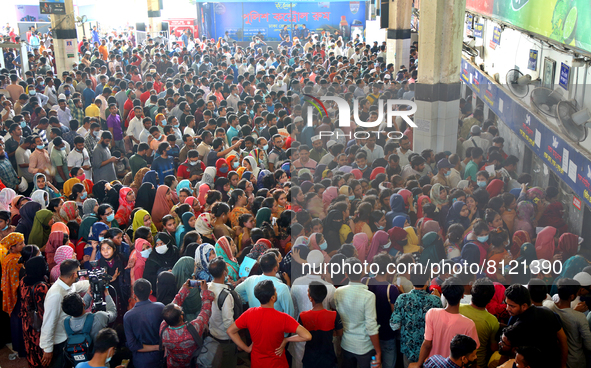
[(443, 172), (317, 150), (476, 140)]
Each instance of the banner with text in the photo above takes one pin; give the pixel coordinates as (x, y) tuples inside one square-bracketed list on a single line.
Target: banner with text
[(565, 21), (268, 19)]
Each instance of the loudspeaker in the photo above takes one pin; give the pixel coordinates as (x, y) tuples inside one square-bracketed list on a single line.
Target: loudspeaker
[(164, 26), (140, 27), (384, 13)]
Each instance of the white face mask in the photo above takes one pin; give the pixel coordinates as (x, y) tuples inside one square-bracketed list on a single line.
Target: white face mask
[(161, 249)]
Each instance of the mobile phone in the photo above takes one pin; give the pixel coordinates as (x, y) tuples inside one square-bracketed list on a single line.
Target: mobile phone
[(194, 283), (125, 362)]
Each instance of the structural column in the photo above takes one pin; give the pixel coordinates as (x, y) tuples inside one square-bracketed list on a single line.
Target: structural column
[(65, 38), (398, 13), (437, 92), (154, 15)]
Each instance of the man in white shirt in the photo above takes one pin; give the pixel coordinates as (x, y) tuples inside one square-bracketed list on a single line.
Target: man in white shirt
[(83, 130), (79, 157), (63, 112), (136, 125), (222, 318), (53, 334)]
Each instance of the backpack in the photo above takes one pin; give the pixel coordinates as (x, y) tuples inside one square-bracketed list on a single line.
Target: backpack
[(79, 347), (196, 337), (238, 303)]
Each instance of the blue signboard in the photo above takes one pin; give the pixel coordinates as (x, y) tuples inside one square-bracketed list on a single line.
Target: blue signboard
[(478, 28), (496, 35), (572, 166), (532, 63), (268, 18), (469, 20), (564, 76)]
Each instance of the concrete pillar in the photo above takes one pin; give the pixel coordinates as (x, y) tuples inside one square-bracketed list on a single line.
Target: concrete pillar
[(65, 39), (437, 92), (398, 34), (154, 14)]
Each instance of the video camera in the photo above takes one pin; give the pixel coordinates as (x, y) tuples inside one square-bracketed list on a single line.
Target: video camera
[(99, 281)]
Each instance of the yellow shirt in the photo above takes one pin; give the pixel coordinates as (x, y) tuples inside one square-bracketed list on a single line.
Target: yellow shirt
[(92, 111)]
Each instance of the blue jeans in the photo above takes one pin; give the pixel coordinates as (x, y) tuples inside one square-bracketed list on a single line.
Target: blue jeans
[(389, 353)]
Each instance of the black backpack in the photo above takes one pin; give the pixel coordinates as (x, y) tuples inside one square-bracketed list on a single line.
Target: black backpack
[(79, 347), (238, 303), (196, 337)]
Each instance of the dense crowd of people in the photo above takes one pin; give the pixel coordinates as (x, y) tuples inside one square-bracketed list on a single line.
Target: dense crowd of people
[(190, 176)]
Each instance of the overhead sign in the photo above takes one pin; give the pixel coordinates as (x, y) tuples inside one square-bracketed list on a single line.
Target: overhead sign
[(532, 63), (478, 29), (571, 165), (564, 21), (52, 7), (564, 76), (497, 35)]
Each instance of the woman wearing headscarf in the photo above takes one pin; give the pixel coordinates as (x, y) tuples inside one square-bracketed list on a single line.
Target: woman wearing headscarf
[(420, 202), (497, 306), (114, 263), (318, 242), (33, 289), (263, 215), (182, 271), (41, 228), (458, 214), (41, 197), (56, 240), (525, 217), (143, 218), (89, 208), (16, 204), (401, 221), (226, 249), (166, 287), (380, 243), (40, 183), (397, 208), (204, 225), (361, 243), (251, 165), (519, 238), (164, 256), (151, 177), (142, 250), (265, 179), (545, 243), (433, 251), (328, 196), (239, 202), (162, 205), (202, 193), (68, 186), (99, 191), (25, 224), (6, 197), (438, 195), (333, 223), (204, 254), (61, 254), (495, 187), (11, 304), (222, 184), (145, 197), (185, 226), (429, 226), (183, 184), (69, 212), (568, 245), (138, 178), (126, 205), (221, 168)]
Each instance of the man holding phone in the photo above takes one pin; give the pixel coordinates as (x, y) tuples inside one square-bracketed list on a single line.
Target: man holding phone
[(175, 331)]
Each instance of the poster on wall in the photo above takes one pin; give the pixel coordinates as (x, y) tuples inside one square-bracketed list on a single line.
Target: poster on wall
[(30, 13), (478, 30), (52, 7), (268, 19), (532, 63), (564, 21), (549, 73), (564, 76)]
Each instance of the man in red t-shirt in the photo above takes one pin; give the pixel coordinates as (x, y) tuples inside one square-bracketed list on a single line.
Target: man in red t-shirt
[(267, 327)]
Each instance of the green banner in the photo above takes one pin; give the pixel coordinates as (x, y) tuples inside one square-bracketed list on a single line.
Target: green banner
[(565, 21)]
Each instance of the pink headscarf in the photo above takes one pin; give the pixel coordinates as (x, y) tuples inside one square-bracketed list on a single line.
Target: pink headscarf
[(361, 243), (329, 195), (357, 173), (495, 187), (380, 238), (406, 194), (545, 243), (430, 226), (314, 246), (61, 254), (191, 201), (140, 262), (203, 189)]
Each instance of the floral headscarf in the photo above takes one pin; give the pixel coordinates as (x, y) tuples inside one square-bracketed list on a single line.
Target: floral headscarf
[(10, 272), (139, 176), (520, 237), (222, 249), (61, 254), (69, 212), (202, 262), (204, 224), (435, 191)]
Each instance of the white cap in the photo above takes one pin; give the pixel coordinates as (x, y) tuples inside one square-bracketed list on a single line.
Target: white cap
[(315, 259), (330, 143), (316, 138), (582, 277), (298, 119)]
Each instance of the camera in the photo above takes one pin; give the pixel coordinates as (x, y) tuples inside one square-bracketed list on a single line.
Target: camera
[(99, 281)]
